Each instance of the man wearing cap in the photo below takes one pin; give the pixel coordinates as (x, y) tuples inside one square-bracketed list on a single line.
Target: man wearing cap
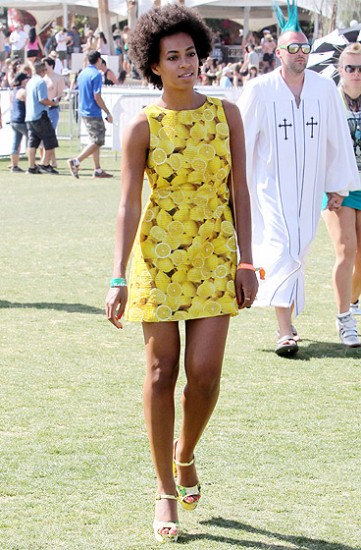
[(38, 123), (91, 105)]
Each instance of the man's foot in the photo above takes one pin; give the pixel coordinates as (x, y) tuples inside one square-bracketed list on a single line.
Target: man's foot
[(73, 168), (286, 346), (101, 174), (35, 170), (47, 169), (16, 169), (347, 329)]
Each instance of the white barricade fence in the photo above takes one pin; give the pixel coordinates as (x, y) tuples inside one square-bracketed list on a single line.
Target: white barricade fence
[(122, 101), (125, 103)]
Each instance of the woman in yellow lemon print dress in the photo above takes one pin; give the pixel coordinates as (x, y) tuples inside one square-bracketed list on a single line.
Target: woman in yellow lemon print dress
[(184, 263)]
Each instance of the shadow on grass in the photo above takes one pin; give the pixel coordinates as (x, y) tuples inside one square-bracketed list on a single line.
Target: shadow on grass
[(298, 542), (310, 349), (70, 308)]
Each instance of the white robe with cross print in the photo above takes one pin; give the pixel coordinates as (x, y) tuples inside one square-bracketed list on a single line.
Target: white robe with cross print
[(294, 155)]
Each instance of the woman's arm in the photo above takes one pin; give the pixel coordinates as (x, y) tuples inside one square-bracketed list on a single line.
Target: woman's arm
[(134, 152), (246, 280)]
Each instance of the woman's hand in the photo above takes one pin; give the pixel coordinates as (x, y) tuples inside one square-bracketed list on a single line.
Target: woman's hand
[(115, 303), (334, 201), (246, 284)]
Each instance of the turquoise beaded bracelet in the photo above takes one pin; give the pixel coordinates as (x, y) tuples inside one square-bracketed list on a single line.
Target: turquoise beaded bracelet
[(118, 282)]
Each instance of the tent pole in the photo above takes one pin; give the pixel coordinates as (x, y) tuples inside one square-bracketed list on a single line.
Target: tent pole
[(65, 15)]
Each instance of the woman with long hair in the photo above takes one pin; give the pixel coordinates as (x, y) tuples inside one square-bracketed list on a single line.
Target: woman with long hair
[(34, 47)]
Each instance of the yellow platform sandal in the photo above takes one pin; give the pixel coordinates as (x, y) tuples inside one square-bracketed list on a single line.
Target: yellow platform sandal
[(158, 525), (187, 496)]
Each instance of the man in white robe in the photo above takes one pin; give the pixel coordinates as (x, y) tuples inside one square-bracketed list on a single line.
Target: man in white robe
[(298, 147)]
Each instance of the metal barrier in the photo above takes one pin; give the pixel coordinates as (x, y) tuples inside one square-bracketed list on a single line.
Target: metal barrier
[(68, 126)]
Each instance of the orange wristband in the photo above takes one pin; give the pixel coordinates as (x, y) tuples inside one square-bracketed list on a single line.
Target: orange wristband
[(262, 273), (242, 265)]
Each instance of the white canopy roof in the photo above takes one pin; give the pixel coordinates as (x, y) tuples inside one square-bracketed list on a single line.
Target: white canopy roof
[(47, 10)]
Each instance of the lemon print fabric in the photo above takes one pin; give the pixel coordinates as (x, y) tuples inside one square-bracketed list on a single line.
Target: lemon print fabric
[(184, 257)]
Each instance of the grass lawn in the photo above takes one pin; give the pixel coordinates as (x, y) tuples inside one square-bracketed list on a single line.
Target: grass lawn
[(280, 460)]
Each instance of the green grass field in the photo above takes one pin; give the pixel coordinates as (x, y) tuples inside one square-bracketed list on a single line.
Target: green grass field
[(280, 460)]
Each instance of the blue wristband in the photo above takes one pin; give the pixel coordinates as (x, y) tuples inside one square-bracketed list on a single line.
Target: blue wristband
[(118, 282)]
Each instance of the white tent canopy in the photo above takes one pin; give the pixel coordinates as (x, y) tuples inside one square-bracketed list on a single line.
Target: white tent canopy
[(258, 12)]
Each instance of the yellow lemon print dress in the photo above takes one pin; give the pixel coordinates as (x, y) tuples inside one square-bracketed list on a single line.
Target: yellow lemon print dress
[(184, 258)]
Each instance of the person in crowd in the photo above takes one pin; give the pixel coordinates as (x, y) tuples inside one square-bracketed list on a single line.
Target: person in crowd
[(344, 225), (55, 85), (73, 44), (58, 67), (298, 147), (252, 73), (185, 254), (226, 78), (109, 78), (2, 47), (38, 122), (102, 44), (118, 45), (208, 72), (91, 105), (18, 40), (50, 44), (268, 50), (253, 57), (62, 40), (12, 67), (17, 119), (125, 39), (34, 46), (90, 42)]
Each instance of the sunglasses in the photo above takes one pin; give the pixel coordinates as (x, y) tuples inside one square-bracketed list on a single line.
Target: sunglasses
[(295, 48), (352, 68)]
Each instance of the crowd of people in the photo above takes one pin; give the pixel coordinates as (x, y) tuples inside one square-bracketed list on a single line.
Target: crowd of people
[(18, 47), (256, 57)]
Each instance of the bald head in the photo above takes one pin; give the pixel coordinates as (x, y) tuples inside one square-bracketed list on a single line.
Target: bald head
[(289, 37)]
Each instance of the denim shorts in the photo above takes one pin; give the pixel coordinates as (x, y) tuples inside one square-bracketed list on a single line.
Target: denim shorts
[(20, 130), (54, 114), (42, 131)]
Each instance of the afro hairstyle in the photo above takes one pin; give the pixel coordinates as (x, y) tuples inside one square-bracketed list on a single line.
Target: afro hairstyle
[(152, 26)]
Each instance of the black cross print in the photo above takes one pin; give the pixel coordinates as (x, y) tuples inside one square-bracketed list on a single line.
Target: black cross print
[(285, 126), (312, 124)]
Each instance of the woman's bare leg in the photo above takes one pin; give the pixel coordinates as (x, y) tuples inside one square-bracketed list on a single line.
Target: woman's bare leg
[(356, 275), (341, 226), (162, 345), (204, 351)]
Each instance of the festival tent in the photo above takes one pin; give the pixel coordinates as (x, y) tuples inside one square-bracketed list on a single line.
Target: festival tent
[(46, 11), (258, 13)]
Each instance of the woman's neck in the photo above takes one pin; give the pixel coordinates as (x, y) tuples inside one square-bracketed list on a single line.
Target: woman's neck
[(181, 102), (353, 98)]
